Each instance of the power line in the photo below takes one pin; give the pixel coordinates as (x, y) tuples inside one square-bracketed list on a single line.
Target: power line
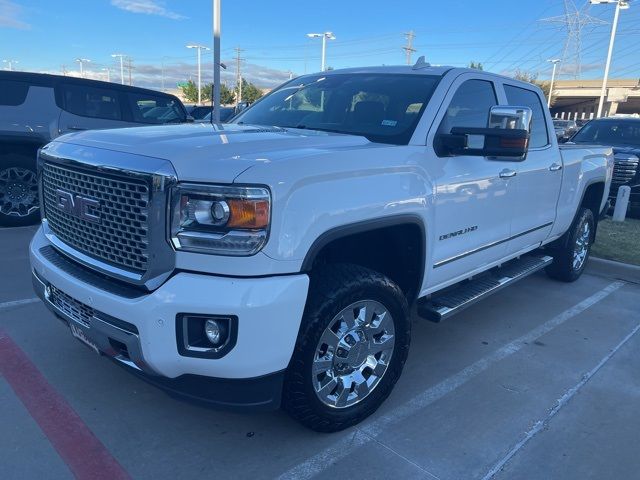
[(574, 20)]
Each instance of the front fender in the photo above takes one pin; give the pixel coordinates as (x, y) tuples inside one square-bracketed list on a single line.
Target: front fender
[(316, 195)]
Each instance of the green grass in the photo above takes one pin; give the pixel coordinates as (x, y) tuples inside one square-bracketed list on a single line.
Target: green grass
[(618, 241)]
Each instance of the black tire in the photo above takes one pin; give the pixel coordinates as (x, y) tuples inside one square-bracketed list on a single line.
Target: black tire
[(333, 289), (12, 186), (564, 267)]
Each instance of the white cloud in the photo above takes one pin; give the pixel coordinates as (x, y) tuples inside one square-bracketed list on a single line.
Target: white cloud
[(147, 7), (10, 14)]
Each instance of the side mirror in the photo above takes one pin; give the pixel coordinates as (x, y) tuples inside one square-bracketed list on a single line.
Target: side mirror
[(189, 119), (506, 136)]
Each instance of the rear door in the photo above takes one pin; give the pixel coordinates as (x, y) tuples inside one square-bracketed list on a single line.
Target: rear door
[(87, 108), (473, 201), (539, 176)]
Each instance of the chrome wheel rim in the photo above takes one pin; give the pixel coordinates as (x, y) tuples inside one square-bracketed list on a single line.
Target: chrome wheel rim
[(582, 246), (353, 354), (18, 192)]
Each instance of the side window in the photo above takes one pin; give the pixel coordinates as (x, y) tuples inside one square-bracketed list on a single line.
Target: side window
[(522, 97), (13, 93), (469, 106), (92, 102), (154, 109)]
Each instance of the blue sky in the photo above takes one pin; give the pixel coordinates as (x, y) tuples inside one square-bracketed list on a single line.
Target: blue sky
[(43, 35)]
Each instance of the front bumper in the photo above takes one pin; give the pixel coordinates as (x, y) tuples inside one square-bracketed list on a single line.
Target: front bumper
[(140, 331)]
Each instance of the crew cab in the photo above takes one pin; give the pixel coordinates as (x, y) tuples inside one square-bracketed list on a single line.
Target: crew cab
[(274, 260), (36, 108)]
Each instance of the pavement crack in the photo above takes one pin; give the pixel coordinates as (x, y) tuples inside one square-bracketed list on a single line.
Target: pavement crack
[(398, 454)]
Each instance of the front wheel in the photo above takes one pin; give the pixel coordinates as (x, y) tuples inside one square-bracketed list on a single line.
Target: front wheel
[(570, 257), (18, 191), (351, 349)]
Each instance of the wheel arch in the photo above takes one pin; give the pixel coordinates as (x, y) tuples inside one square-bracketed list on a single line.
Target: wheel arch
[(404, 262), (592, 198)]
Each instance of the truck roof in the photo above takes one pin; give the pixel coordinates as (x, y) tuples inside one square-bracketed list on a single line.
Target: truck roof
[(422, 69), (50, 80)]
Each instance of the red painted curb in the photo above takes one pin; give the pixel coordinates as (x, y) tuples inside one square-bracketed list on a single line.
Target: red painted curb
[(84, 454)]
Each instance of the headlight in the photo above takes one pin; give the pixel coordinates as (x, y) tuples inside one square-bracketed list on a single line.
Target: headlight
[(222, 220)]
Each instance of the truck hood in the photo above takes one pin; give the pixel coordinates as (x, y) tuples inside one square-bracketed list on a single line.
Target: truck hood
[(215, 153)]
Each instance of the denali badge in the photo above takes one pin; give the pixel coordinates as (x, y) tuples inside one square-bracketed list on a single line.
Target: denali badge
[(85, 208), (459, 232)]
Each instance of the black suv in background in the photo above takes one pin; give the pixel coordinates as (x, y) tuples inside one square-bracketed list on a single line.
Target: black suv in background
[(623, 134), (36, 108)]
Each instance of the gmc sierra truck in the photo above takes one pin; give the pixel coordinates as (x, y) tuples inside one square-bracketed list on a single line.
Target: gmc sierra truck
[(274, 260)]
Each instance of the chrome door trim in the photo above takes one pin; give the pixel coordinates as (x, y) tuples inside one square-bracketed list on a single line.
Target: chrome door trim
[(446, 261)]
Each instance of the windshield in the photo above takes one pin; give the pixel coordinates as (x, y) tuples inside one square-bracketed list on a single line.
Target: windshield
[(610, 132), (381, 107)]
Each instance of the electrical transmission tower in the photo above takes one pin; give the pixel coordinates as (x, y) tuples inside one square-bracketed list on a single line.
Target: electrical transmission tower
[(408, 48), (574, 21)]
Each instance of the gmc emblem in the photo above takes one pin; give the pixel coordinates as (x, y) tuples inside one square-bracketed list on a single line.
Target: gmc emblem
[(85, 208)]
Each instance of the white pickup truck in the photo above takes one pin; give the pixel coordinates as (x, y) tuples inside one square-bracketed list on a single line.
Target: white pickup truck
[(274, 260)]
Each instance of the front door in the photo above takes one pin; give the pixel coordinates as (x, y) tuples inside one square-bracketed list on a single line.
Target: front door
[(474, 198)]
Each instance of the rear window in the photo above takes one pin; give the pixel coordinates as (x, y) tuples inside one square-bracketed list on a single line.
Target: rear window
[(155, 109), (92, 102), (13, 93), (522, 97)]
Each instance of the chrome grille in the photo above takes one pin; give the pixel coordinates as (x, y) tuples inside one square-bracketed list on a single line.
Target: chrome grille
[(625, 168), (78, 311), (120, 237)]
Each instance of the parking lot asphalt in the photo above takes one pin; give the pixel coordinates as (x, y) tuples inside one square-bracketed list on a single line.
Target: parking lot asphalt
[(539, 381)]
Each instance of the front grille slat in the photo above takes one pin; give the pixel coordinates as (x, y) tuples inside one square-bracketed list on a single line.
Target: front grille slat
[(121, 236), (78, 311), (624, 169)]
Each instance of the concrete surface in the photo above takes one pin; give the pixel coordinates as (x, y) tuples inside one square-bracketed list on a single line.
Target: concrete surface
[(539, 381)]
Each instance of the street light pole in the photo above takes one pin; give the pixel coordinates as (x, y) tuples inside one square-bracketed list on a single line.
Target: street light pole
[(121, 55), (108, 70), (199, 48), (215, 117), (620, 5), (324, 36), (81, 61), (555, 62)]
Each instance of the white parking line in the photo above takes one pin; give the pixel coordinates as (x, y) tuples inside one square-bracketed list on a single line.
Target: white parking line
[(562, 401), (343, 447), (17, 303)]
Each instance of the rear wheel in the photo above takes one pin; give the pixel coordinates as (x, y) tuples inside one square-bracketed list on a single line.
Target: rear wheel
[(18, 191), (571, 255), (351, 349)]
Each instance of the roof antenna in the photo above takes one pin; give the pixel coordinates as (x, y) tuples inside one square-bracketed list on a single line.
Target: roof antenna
[(421, 63)]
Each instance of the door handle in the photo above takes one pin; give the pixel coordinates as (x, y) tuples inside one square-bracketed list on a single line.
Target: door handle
[(72, 127), (555, 167), (508, 173)]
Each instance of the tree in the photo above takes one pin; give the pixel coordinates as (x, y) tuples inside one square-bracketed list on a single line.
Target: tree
[(533, 78), (250, 93), (227, 96), (190, 91), (476, 65)]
